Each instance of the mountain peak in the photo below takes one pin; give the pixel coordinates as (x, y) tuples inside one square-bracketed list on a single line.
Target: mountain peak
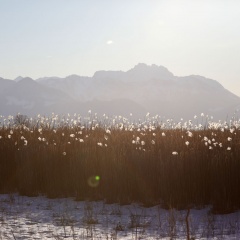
[(73, 76), (19, 78), (141, 66), (145, 67), (27, 81), (146, 72)]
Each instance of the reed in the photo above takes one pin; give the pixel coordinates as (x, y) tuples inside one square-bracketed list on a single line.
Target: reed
[(177, 164)]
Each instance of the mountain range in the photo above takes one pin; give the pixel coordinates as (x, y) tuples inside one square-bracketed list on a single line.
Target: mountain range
[(142, 89)]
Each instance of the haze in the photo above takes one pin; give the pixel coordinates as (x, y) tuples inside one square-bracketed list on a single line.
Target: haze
[(60, 38)]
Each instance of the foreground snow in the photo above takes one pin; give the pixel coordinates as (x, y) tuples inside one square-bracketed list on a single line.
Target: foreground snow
[(42, 218)]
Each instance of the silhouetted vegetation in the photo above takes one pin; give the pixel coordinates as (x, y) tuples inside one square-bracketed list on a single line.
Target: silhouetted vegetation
[(178, 165)]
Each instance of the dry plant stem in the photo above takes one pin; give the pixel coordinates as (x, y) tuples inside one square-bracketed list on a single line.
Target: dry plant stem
[(187, 224)]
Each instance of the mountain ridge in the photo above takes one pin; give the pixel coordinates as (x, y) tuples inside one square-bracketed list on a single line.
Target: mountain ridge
[(144, 88)]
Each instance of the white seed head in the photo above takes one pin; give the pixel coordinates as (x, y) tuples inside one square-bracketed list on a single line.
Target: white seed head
[(190, 134), (232, 130)]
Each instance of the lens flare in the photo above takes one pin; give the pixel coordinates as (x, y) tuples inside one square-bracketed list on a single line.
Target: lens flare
[(93, 181)]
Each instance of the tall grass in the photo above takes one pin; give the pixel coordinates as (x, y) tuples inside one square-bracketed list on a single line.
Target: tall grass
[(183, 164)]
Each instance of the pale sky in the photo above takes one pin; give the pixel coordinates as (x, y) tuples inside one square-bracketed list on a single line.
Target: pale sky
[(62, 37)]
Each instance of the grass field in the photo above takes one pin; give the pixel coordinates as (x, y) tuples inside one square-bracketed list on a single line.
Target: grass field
[(178, 164)]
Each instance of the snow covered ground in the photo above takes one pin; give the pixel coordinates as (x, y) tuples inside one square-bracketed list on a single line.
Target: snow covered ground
[(42, 218)]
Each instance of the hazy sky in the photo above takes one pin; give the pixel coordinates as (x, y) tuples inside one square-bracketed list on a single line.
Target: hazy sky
[(61, 37)]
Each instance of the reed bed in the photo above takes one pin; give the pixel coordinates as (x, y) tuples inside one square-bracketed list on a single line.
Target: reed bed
[(151, 161)]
